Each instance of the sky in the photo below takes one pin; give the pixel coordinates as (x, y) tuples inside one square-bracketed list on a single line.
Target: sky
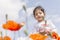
[(14, 9)]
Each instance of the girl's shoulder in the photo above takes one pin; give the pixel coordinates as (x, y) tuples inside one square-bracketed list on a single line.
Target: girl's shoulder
[(49, 22)]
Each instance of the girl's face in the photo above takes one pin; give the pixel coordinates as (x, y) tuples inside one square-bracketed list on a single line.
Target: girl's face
[(39, 15)]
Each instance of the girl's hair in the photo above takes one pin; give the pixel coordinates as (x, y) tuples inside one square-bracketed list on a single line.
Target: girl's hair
[(38, 7)]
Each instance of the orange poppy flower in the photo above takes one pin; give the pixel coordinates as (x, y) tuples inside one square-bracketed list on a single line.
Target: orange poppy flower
[(11, 25), (1, 38), (58, 38), (38, 37), (54, 35), (6, 38)]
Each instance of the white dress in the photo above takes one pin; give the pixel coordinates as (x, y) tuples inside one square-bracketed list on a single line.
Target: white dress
[(40, 27)]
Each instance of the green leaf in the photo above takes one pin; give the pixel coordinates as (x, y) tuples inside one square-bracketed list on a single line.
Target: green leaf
[(26, 33)]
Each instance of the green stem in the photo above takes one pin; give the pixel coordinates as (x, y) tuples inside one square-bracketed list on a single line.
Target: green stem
[(26, 33)]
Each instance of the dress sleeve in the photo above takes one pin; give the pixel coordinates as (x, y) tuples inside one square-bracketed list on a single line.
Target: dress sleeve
[(53, 27)]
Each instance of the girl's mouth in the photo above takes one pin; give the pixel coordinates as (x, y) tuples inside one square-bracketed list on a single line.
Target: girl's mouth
[(39, 17)]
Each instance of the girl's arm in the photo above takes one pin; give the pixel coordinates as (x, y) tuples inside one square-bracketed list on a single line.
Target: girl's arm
[(54, 33)]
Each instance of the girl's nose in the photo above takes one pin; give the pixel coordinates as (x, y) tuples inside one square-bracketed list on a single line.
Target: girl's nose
[(38, 14)]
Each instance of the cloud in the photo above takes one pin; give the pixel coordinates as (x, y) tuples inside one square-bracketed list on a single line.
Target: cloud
[(30, 10), (55, 18), (11, 8)]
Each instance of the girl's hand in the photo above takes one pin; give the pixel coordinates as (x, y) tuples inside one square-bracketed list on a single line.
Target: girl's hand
[(47, 30)]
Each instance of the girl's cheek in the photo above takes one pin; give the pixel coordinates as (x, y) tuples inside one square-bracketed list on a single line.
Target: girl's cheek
[(42, 14), (36, 17)]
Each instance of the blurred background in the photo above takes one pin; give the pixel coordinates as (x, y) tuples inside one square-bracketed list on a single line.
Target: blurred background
[(15, 11)]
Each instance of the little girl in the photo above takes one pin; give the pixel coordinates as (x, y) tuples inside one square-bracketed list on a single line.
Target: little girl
[(43, 27)]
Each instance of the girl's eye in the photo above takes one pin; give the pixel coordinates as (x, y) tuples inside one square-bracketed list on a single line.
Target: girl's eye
[(36, 14), (40, 13)]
